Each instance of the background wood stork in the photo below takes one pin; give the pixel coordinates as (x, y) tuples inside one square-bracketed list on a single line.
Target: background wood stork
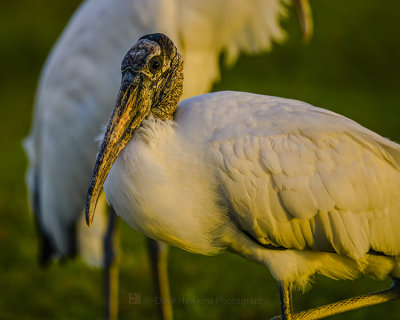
[(351, 62), (74, 99), (297, 188)]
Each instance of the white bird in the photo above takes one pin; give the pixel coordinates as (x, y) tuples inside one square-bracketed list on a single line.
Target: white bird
[(74, 98), (299, 189)]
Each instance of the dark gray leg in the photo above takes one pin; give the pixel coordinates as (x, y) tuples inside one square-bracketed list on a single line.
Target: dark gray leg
[(159, 262), (111, 267)]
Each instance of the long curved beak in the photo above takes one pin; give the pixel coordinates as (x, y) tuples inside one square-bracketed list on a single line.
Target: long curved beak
[(128, 113), (304, 16)]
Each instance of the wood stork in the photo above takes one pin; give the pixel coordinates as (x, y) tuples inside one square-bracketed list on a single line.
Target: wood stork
[(297, 188), (74, 99)]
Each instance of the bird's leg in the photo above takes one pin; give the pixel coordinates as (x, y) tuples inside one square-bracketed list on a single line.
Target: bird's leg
[(285, 290), (159, 261), (353, 303), (111, 267)]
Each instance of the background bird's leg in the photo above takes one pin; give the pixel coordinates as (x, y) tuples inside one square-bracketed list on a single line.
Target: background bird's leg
[(111, 267), (159, 262), (366, 300)]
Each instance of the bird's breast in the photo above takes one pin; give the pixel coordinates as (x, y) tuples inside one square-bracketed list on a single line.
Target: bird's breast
[(162, 185)]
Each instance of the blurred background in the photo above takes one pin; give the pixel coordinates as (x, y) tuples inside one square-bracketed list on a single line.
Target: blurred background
[(351, 66)]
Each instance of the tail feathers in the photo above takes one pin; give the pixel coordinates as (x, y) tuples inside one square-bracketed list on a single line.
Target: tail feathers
[(47, 250), (74, 236)]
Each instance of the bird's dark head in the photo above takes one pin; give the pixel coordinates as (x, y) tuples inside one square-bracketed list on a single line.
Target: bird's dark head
[(153, 67), (152, 82)]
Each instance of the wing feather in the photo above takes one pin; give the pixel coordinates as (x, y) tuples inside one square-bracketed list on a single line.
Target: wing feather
[(312, 180)]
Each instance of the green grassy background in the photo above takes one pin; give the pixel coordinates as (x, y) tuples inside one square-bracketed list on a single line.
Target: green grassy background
[(352, 66)]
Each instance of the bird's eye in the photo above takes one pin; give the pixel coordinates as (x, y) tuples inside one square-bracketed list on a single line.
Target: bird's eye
[(155, 64)]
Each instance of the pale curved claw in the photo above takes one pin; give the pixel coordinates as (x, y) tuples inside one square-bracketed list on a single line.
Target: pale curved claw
[(304, 16)]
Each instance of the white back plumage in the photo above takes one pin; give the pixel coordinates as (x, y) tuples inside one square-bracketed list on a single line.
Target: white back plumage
[(236, 166), (80, 81)]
